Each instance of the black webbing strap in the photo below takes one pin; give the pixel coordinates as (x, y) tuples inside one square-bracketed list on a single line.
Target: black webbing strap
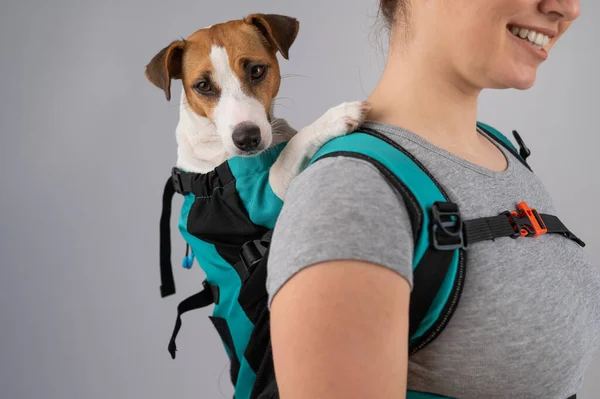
[(554, 225), (451, 232), (490, 228), (209, 295), (167, 286), (179, 182)]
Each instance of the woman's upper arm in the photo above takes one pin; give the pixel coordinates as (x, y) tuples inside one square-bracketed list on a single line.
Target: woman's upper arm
[(339, 280), (340, 331)]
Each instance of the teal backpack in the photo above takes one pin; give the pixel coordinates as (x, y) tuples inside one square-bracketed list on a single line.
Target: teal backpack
[(227, 219)]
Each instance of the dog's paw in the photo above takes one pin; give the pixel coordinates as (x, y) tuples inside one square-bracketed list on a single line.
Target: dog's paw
[(340, 120), (355, 114)]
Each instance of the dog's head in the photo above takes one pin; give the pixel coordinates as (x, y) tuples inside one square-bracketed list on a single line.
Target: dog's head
[(230, 75)]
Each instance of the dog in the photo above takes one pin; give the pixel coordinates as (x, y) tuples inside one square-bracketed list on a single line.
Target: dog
[(230, 77)]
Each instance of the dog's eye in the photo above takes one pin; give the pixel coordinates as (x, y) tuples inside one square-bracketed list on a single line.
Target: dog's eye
[(257, 72), (203, 86)]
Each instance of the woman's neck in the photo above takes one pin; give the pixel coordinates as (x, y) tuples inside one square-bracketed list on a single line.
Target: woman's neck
[(414, 93)]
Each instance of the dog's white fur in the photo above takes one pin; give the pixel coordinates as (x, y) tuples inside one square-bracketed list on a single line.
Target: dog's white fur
[(336, 122), (199, 147), (234, 105), (203, 145)]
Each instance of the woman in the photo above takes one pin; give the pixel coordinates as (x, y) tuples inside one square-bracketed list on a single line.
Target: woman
[(340, 272)]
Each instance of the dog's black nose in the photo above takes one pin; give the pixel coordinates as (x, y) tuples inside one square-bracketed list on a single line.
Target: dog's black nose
[(246, 136)]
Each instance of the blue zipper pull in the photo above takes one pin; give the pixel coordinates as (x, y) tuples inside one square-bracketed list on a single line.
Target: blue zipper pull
[(188, 260)]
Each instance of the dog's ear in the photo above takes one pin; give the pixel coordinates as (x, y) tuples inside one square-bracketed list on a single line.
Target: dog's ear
[(166, 65), (279, 30)]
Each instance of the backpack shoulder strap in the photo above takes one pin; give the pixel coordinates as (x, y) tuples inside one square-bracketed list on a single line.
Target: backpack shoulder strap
[(440, 234), (438, 275), (522, 154)]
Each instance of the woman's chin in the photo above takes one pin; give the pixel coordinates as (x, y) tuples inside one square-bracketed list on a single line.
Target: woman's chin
[(522, 81)]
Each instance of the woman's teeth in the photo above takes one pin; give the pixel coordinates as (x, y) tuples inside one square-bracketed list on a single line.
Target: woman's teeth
[(538, 40)]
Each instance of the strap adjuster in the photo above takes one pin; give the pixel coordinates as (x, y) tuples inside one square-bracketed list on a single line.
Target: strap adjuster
[(526, 221), (214, 291), (447, 226), (252, 252), (176, 179)]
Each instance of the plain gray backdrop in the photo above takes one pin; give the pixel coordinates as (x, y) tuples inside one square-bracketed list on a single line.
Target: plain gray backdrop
[(87, 142)]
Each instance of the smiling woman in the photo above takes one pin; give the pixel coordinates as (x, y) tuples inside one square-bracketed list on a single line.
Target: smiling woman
[(538, 39), (341, 276)]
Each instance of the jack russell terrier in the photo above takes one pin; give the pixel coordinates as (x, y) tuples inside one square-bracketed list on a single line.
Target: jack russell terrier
[(230, 76)]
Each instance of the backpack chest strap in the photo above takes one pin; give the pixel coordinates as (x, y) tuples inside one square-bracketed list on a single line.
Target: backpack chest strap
[(451, 232)]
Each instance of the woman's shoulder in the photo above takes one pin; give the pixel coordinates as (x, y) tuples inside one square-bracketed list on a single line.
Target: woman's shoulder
[(340, 208), (341, 182)]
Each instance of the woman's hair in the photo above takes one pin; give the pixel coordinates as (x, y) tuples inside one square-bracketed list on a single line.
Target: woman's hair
[(393, 9)]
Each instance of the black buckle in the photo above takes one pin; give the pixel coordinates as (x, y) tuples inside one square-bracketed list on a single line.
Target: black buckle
[(523, 150), (214, 290), (519, 225), (447, 233), (526, 221), (176, 178), (252, 252)]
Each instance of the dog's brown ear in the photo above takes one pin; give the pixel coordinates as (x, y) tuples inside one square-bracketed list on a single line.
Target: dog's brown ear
[(279, 30), (166, 65)]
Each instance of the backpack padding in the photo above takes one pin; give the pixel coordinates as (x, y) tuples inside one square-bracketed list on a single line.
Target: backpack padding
[(437, 301)]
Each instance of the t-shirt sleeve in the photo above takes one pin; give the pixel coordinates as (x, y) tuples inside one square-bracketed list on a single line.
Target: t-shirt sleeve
[(340, 209)]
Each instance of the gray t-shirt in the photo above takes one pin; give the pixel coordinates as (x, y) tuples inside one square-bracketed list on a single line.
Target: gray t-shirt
[(528, 323)]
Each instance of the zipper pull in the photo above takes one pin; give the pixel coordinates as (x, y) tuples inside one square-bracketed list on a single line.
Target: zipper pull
[(188, 260)]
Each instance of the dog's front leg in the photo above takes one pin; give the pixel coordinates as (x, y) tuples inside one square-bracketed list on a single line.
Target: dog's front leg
[(336, 122)]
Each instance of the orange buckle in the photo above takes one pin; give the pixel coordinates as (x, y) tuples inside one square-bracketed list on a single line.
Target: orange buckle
[(527, 221)]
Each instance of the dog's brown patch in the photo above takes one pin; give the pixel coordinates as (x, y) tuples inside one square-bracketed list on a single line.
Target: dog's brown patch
[(254, 40)]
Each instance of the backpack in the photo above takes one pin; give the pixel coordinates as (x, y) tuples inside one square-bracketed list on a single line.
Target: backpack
[(227, 220)]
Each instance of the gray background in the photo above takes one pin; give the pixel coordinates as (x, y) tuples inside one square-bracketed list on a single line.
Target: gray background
[(86, 143)]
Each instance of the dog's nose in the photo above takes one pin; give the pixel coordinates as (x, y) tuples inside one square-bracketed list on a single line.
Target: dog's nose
[(246, 136)]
